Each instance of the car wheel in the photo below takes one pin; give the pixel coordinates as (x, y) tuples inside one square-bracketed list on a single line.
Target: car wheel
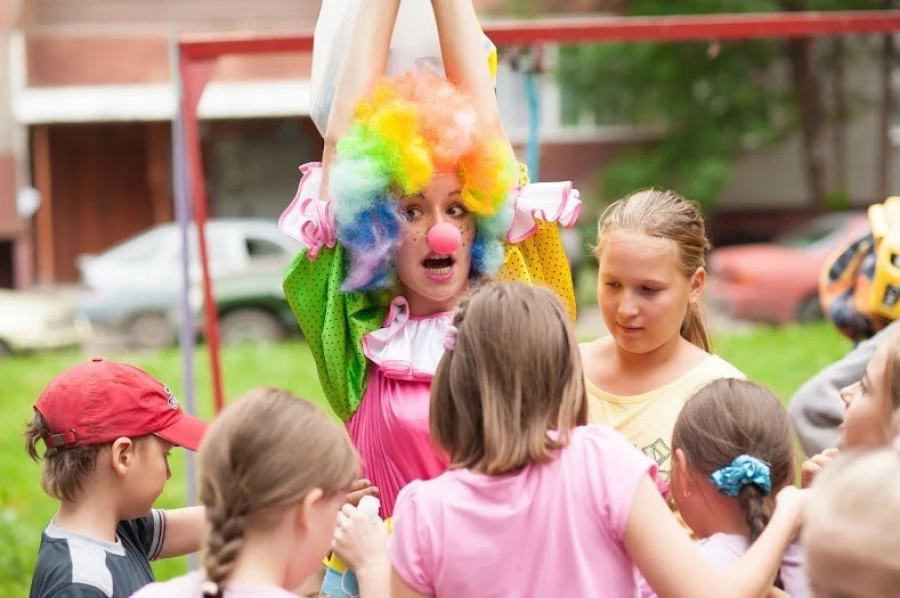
[(810, 310), (151, 331), (250, 326)]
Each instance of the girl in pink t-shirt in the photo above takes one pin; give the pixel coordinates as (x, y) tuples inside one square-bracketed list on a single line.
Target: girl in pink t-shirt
[(535, 503), (732, 450)]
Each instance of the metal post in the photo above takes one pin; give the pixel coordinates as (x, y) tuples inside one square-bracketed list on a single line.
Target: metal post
[(186, 337), (534, 122)]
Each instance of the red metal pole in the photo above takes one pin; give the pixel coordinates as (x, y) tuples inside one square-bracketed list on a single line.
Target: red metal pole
[(691, 27), (194, 76), (592, 28)]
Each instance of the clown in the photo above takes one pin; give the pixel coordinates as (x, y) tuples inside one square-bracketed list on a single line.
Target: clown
[(421, 197)]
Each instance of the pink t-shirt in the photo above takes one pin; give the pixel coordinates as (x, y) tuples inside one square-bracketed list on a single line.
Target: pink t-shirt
[(188, 586), (552, 529)]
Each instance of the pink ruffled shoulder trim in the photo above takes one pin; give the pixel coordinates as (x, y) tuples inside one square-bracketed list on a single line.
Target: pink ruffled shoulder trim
[(309, 219), (550, 202), (408, 348)]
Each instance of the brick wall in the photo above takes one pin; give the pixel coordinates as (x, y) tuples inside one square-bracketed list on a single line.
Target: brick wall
[(203, 13)]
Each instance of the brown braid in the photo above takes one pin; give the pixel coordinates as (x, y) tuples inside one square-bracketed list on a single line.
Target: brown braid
[(757, 510), (224, 543)]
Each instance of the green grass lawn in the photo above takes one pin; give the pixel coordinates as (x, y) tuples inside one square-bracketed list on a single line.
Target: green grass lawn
[(781, 359)]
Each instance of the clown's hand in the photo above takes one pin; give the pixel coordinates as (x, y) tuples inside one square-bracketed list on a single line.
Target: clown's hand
[(360, 488)]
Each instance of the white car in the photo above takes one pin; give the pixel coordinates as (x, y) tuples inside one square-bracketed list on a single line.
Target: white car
[(33, 321), (152, 259), (134, 287)]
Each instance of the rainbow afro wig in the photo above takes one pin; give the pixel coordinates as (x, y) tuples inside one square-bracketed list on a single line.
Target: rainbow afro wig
[(412, 126)]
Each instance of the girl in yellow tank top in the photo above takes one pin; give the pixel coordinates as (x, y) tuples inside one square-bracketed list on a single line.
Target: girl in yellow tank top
[(652, 250)]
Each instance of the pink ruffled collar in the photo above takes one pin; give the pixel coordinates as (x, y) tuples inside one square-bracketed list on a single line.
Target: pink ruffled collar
[(408, 348)]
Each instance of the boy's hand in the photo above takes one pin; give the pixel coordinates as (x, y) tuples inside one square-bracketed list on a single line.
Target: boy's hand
[(360, 488), (812, 467), (360, 540)]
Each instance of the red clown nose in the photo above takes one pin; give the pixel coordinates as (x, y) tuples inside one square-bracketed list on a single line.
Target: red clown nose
[(444, 238)]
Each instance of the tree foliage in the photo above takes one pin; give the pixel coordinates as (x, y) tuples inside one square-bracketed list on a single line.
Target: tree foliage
[(710, 100)]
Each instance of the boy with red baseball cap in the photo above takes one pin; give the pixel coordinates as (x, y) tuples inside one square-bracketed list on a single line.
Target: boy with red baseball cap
[(108, 429)]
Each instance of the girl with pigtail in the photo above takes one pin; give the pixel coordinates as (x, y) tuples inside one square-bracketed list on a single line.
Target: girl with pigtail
[(419, 196), (274, 470), (733, 451)]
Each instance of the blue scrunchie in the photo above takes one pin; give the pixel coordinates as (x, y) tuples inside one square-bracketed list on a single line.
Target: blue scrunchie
[(743, 471)]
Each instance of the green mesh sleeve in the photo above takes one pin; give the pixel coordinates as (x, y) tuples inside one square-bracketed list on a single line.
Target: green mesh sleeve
[(334, 324)]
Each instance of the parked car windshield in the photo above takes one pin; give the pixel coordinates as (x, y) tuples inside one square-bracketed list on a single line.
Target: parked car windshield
[(261, 248), (813, 233), (142, 248)]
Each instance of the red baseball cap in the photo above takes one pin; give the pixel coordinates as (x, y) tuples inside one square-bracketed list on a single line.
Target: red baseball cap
[(99, 401)]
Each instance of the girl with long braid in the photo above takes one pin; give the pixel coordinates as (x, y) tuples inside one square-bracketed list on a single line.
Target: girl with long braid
[(274, 470), (420, 196)]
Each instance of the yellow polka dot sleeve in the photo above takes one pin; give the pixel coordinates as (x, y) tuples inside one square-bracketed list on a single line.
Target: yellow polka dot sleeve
[(540, 260)]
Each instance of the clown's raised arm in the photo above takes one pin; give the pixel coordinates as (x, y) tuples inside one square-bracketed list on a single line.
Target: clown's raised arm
[(364, 62), (406, 155), (462, 43)]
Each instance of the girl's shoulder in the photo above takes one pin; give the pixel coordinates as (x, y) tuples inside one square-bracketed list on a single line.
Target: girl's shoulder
[(190, 586), (716, 367), (722, 550), (699, 366), (598, 347), (183, 586), (601, 446), (597, 357)]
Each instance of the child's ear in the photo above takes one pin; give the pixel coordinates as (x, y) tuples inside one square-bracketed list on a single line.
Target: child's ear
[(679, 460), (307, 511), (698, 281), (893, 432), (122, 455)]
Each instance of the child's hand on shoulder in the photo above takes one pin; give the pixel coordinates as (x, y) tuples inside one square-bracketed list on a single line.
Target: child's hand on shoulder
[(811, 467), (790, 502), (360, 540)]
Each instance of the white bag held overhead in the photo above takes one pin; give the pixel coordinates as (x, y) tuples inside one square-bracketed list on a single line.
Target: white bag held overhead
[(414, 43)]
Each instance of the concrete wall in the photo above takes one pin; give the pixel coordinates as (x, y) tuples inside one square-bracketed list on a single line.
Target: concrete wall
[(5, 98), (6, 21), (776, 177)]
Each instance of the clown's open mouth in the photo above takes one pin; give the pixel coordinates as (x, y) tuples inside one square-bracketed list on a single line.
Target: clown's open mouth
[(438, 265)]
